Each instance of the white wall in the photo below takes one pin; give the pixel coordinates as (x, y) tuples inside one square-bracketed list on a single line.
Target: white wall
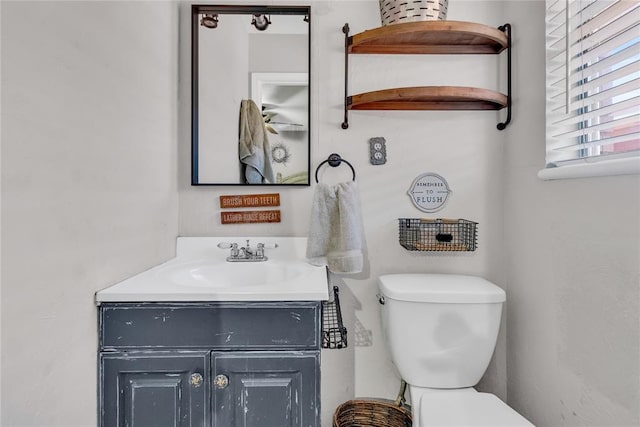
[(464, 147), (89, 95), (573, 268), (89, 146)]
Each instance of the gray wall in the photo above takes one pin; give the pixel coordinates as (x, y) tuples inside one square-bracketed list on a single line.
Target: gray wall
[(573, 262), (88, 186)]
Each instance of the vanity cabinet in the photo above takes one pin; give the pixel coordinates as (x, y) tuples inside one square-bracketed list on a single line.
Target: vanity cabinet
[(249, 364)]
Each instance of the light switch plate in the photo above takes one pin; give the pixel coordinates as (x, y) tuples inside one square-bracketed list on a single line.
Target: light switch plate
[(378, 150)]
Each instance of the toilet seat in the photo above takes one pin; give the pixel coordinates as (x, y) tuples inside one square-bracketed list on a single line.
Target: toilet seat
[(467, 410)]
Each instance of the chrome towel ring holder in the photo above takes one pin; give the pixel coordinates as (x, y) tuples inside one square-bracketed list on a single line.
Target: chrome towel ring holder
[(335, 160)]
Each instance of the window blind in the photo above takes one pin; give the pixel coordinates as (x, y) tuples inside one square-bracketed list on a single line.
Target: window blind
[(593, 80)]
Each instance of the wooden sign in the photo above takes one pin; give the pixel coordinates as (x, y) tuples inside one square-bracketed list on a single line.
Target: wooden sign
[(250, 201), (248, 217), (429, 192)]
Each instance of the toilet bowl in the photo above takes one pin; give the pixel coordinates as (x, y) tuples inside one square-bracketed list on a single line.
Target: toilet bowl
[(441, 330), (464, 408)]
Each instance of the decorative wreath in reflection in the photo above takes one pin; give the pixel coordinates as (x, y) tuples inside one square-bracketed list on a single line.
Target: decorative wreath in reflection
[(280, 153)]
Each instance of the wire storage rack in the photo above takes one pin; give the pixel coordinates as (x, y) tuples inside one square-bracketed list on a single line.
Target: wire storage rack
[(334, 334), (437, 235)]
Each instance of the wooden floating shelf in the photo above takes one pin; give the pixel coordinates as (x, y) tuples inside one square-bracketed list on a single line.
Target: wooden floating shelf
[(428, 98), (430, 37)]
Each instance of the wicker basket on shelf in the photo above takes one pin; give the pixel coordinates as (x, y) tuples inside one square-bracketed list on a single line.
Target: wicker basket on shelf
[(399, 11), (371, 413)]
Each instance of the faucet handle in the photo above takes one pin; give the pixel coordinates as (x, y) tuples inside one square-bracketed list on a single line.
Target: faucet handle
[(269, 245), (227, 245)]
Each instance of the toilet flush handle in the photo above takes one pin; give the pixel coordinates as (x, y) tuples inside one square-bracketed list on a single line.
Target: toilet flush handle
[(380, 299)]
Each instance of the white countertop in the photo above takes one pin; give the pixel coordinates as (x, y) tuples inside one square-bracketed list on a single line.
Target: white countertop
[(200, 272)]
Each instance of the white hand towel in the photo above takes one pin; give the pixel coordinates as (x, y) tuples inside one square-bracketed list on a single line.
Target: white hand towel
[(335, 236)]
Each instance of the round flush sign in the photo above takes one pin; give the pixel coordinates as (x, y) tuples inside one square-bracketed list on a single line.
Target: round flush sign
[(429, 192)]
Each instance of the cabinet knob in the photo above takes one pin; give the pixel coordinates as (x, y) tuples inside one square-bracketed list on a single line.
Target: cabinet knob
[(221, 381), (196, 380)]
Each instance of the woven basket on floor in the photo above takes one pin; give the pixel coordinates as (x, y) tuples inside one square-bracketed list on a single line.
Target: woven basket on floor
[(371, 413)]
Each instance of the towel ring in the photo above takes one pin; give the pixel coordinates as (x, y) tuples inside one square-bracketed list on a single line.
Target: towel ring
[(335, 160)]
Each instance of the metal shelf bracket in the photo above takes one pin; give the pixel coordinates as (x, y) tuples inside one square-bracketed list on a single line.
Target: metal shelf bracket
[(345, 30), (506, 28)]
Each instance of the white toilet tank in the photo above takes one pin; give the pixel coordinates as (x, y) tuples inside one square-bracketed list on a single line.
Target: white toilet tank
[(441, 328)]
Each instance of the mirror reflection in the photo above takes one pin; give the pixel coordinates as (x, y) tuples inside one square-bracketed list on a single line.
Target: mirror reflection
[(250, 95)]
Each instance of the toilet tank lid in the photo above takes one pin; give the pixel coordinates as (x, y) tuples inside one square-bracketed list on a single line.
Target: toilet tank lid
[(440, 288)]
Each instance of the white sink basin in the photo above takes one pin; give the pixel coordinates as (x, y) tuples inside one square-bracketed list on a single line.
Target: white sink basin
[(200, 272), (233, 274)]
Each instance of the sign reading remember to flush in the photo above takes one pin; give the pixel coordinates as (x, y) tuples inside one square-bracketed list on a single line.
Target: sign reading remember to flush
[(429, 192)]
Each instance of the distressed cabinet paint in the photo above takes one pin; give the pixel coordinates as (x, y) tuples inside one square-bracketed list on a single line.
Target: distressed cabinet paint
[(253, 364), (154, 388), (265, 389)]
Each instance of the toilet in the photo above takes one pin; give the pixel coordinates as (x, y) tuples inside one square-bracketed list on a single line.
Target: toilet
[(441, 330)]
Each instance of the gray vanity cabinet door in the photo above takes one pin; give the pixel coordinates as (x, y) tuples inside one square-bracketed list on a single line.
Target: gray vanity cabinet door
[(266, 389), (155, 389)]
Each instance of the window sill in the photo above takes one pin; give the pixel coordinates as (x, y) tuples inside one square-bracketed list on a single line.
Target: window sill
[(626, 166)]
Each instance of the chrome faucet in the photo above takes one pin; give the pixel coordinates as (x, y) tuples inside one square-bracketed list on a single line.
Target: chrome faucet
[(246, 253)]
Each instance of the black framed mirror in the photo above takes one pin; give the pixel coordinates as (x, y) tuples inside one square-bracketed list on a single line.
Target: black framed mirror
[(250, 95)]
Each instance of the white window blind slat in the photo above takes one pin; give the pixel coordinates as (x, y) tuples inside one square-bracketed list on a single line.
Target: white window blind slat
[(601, 66), (558, 85), (556, 13), (616, 11), (591, 39), (629, 106), (609, 79), (555, 3), (602, 50), (592, 101), (583, 10), (559, 32), (556, 67), (593, 79), (607, 141), (556, 46), (591, 131)]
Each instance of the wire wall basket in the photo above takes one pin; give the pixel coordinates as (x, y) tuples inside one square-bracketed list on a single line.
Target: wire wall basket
[(334, 334), (437, 235)]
